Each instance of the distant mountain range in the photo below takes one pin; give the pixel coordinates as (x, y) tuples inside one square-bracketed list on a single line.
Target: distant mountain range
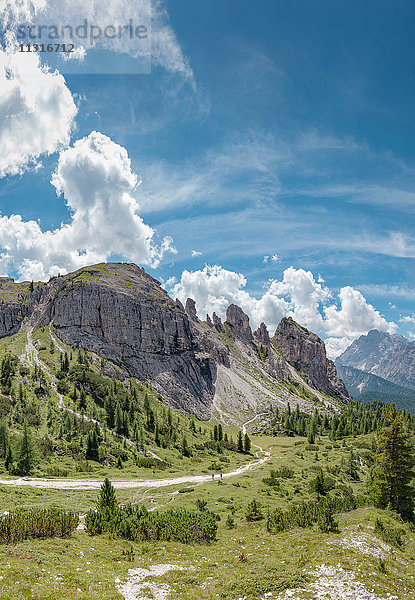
[(380, 366)]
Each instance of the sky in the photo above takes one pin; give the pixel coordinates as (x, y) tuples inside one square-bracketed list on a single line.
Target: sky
[(257, 153)]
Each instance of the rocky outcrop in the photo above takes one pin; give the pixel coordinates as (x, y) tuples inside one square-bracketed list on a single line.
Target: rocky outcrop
[(217, 322), (238, 323), (391, 357), (191, 308), (306, 352), (261, 336)]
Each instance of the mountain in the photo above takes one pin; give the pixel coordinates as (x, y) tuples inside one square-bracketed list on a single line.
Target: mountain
[(123, 315), (391, 357), (366, 387)]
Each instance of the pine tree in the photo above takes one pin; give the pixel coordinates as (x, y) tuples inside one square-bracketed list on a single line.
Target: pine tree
[(247, 444), (107, 497), (240, 444), (393, 471), (319, 486), (8, 461), (4, 438), (220, 433), (92, 446), (26, 458), (310, 435)]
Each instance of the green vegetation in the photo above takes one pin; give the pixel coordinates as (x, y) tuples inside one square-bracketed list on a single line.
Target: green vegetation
[(108, 427), (36, 523), (394, 464), (137, 524)]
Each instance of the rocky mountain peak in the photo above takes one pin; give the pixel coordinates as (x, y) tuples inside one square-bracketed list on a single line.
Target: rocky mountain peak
[(191, 308), (391, 357), (238, 323), (217, 322), (261, 335), (306, 352)]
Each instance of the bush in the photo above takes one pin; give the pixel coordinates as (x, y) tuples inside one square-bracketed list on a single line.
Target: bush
[(388, 533), (137, 524), (253, 511), (36, 523), (306, 514)]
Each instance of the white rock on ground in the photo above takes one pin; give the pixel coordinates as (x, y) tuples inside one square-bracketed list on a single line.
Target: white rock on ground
[(135, 586), (334, 584)]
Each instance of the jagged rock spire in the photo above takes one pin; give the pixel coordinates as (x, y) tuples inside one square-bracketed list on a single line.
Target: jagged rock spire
[(191, 307), (239, 324), (261, 335)]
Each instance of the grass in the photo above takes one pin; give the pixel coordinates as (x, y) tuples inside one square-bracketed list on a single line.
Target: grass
[(244, 561)]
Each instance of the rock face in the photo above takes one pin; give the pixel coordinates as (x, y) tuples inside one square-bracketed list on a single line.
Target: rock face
[(238, 323), (123, 314), (217, 323), (261, 336), (306, 352), (191, 308), (391, 357)]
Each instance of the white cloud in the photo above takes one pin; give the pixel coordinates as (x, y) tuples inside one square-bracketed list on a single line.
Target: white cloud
[(354, 317), (97, 182), (336, 346), (37, 112), (196, 253), (407, 319), (298, 294)]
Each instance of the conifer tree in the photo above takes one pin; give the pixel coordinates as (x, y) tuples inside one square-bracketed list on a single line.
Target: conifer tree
[(107, 497), (247, 444), (26, 458), (240, 443), (393, 470)]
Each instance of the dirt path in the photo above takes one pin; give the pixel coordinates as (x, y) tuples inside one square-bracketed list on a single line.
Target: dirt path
[(85, 484)]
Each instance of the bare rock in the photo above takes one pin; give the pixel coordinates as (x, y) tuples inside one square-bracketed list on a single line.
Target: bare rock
[(306, 352), (191, 308), (238, 323)]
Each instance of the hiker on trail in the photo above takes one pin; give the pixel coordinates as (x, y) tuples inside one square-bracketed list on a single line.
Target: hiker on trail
[(221, 475), (213, 475)]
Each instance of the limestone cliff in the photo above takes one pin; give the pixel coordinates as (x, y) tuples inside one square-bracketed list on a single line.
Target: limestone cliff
[(306, 352)]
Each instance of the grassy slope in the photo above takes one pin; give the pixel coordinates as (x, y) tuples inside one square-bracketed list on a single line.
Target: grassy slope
[(83, 567)]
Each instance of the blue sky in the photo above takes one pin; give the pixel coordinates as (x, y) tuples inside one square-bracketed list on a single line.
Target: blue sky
[(289, 134)]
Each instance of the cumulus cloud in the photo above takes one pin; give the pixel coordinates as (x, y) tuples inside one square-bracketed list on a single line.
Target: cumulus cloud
[(342, 317), (37, 111), (196, 253), (96, 179)]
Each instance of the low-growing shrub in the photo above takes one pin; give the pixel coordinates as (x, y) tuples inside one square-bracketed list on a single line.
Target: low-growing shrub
[(36, 523), (137, 524), (306, 514), (152, 463), (388, 533)]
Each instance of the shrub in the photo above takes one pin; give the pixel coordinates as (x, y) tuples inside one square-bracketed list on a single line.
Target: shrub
[(36, 523), (253, 511), (137, 524), (388, 533), (306, 514)]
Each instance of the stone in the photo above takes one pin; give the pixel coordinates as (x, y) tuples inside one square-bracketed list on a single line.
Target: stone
[(238, 323), (306, 352)]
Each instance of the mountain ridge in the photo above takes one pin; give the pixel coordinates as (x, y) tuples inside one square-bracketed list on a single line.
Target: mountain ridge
[(210, 368)]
